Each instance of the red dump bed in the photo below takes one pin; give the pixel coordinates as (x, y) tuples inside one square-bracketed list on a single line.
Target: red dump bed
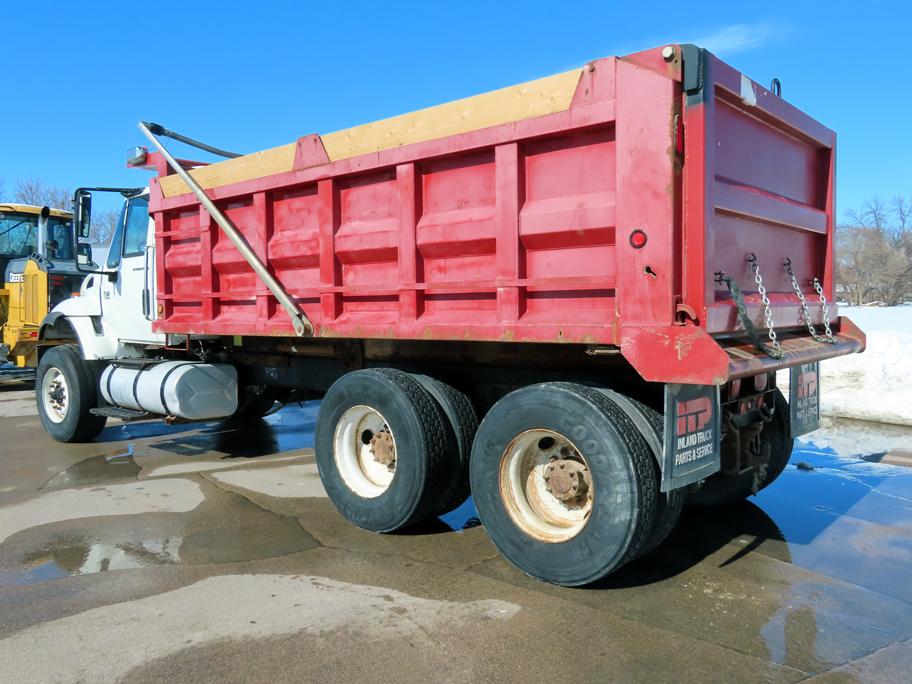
[(521, 229)]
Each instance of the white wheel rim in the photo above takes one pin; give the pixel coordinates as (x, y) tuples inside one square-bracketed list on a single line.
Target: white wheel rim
[(355, 451), (524, 487), (55, 395)]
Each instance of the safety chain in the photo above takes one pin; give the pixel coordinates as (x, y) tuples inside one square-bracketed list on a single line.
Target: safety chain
[(767, 312), (829, 339), (774, 349)]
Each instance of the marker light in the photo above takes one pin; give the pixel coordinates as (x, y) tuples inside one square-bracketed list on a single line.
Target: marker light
[(638, 239), (136, 156)]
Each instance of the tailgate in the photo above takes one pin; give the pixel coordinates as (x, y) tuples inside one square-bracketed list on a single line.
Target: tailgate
[(764, 187), (758, 180)]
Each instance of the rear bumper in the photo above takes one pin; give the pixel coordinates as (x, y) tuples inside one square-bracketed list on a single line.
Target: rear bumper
[(747, 360), (690, 355)]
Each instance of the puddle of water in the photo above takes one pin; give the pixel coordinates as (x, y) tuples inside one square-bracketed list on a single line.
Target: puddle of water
[(65, 558), (463, 517), (847, 518), (288, 429), (294, 425), (102, 469), (117, 431), (41, 572), (808, 501)]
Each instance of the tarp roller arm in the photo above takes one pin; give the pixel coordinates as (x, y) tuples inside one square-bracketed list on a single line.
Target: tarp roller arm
[(299, 320)]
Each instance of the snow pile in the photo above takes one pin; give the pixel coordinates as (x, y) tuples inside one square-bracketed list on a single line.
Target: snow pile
[(874, 385), (859, 438)]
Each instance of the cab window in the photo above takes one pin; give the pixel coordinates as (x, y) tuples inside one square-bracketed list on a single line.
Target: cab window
[(137, 230), (18, 234), (116, 248), (129, 238), (60, 239)]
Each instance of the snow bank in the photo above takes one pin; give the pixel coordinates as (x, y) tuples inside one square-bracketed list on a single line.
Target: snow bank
[(874, 385), (859, 438), (896, 319)]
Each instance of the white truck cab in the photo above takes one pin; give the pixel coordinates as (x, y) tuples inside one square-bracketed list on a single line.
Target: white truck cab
[(113, 314), (99, 356)]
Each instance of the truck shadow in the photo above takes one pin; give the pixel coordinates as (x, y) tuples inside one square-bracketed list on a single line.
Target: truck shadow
[(700, 533)]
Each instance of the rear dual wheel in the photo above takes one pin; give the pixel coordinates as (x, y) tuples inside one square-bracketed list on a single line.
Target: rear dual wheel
[(392, 448), (564, 482), (565, 477)]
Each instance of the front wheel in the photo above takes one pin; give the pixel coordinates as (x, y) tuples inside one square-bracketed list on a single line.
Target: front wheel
[(65, 391)]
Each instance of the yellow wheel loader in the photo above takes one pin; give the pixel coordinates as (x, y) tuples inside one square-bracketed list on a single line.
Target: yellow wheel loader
[(39, 260)]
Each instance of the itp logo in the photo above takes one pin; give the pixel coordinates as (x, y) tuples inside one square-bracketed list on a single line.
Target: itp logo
[(693, 415), (807, 383)]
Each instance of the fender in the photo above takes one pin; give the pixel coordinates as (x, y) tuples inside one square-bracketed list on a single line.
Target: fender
[(53, 325), (59, 324)]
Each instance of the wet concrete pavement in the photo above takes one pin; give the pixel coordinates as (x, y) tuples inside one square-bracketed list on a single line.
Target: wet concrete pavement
[(210, 553)]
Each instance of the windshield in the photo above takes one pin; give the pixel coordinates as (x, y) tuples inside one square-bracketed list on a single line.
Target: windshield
[(19, 236)]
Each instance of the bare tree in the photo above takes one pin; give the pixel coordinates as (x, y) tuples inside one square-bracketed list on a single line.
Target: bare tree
[(902, 213), (872, 214), (103, 225), (874, 252), (36, 191)]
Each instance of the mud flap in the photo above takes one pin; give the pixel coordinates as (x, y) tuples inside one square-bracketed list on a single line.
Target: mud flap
[(804, 398), (692, 435)]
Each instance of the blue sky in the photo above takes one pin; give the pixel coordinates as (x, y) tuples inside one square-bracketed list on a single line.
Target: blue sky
[(247, 76)]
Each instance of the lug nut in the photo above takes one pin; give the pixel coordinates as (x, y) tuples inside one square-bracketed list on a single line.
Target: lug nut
[(563, 465), (547, 477), (551, 467)]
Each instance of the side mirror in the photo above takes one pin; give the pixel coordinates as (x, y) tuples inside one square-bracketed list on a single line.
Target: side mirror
[(82, 204), (84, 253)]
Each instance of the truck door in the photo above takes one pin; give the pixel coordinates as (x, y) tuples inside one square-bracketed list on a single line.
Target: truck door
[(127, 300)]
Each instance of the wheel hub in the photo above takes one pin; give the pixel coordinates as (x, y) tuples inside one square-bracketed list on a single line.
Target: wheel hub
[(57, 394), (546, 485), (566, 479), (383, 448), (364, 449)]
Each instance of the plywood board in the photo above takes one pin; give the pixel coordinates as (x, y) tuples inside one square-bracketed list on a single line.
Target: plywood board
[(535, 98)]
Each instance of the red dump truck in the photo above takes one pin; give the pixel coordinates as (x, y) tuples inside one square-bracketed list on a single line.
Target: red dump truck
[(568, 297)]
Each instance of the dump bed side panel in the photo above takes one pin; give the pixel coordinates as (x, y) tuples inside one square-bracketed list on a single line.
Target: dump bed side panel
[(504, 233)]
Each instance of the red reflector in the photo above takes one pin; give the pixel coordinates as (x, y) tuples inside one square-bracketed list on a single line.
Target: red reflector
[(638, 239)]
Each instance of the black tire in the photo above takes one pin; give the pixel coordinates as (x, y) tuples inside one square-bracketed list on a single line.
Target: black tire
[(669, 505), (426, 462), (615, 452), (81, 395), (462, 423), (722, 490)]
